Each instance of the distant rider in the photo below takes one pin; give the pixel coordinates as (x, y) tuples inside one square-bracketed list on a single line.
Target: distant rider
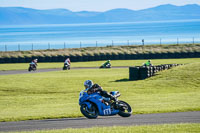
[(34, 62), (67, 62), (148, 63), (107, 64), (92, 88)]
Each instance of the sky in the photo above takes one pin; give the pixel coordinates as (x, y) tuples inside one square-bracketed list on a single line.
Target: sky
[(93, 5)]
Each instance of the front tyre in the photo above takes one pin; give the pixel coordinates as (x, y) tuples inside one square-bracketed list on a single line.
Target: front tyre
[(124, 109), (91, 113), (35, 68)]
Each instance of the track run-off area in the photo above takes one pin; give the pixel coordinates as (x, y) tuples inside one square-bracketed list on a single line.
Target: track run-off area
[(139, 119), (82, 122)]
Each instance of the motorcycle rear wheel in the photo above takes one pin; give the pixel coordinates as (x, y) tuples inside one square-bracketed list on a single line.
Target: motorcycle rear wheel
[(68, 68), (89, 113), (124, 109)]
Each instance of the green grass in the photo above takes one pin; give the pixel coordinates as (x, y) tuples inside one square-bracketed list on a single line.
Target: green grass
[(164, 128), (55, 94), (23, 66)]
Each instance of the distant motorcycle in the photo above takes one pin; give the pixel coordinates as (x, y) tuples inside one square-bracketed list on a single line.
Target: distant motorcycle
[(93, 105), (66, 66), (105, 66), (32, 67)]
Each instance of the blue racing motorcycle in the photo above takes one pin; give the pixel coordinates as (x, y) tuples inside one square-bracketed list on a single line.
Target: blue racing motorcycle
[(93, 105)]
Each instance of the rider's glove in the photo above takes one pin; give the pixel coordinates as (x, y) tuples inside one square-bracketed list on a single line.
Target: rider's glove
[(112, 98)]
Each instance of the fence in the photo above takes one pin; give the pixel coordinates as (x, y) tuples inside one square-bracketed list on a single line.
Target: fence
[(81, 44)]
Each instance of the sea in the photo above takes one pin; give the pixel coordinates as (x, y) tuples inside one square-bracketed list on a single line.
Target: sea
[(60, 36)]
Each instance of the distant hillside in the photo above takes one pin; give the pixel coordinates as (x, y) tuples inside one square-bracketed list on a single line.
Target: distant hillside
[(20, 15)]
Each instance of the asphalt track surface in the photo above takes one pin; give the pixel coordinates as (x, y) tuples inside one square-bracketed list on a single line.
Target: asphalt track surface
[(49, 70), (143, 119)]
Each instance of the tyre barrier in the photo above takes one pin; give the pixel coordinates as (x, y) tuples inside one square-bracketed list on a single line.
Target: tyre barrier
[(143, 72)]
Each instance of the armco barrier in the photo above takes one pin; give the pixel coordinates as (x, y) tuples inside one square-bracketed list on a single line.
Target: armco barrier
[(143, 72), (102, 56)]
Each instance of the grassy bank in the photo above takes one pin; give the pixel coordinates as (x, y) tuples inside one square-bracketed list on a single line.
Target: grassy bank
[(24, 66), (165, 128), (114, 50), (55, 94)]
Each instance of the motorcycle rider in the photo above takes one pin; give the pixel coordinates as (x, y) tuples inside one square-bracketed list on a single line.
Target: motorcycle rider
[(34, 62), (148, 63), (92, 88), (107, 64), (67, 62)]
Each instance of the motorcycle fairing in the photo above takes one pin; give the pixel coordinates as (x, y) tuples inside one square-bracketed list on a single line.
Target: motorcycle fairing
[(96, 99)]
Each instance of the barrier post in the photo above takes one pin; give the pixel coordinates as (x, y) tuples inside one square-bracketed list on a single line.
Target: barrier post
[(160, 41), (193, 40), (64, 46), (48, 45), (18, 47), (5, 47), (177, 41), (32, 46)]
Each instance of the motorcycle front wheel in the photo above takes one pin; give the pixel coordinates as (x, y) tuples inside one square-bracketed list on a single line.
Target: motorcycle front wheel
[(91, 113), (124, 109)]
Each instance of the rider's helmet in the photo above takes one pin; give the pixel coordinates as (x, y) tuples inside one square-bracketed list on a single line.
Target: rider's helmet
[(88, 83)]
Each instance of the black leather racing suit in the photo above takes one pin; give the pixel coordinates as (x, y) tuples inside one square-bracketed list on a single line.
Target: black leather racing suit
[(98, 89)]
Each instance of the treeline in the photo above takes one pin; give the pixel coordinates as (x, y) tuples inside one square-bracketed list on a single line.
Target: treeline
[(104, 53)]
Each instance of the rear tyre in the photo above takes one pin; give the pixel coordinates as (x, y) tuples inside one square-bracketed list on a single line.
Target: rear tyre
[(68, 68), (101, 67), (91, 113), (64, 67), (124, 109)]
